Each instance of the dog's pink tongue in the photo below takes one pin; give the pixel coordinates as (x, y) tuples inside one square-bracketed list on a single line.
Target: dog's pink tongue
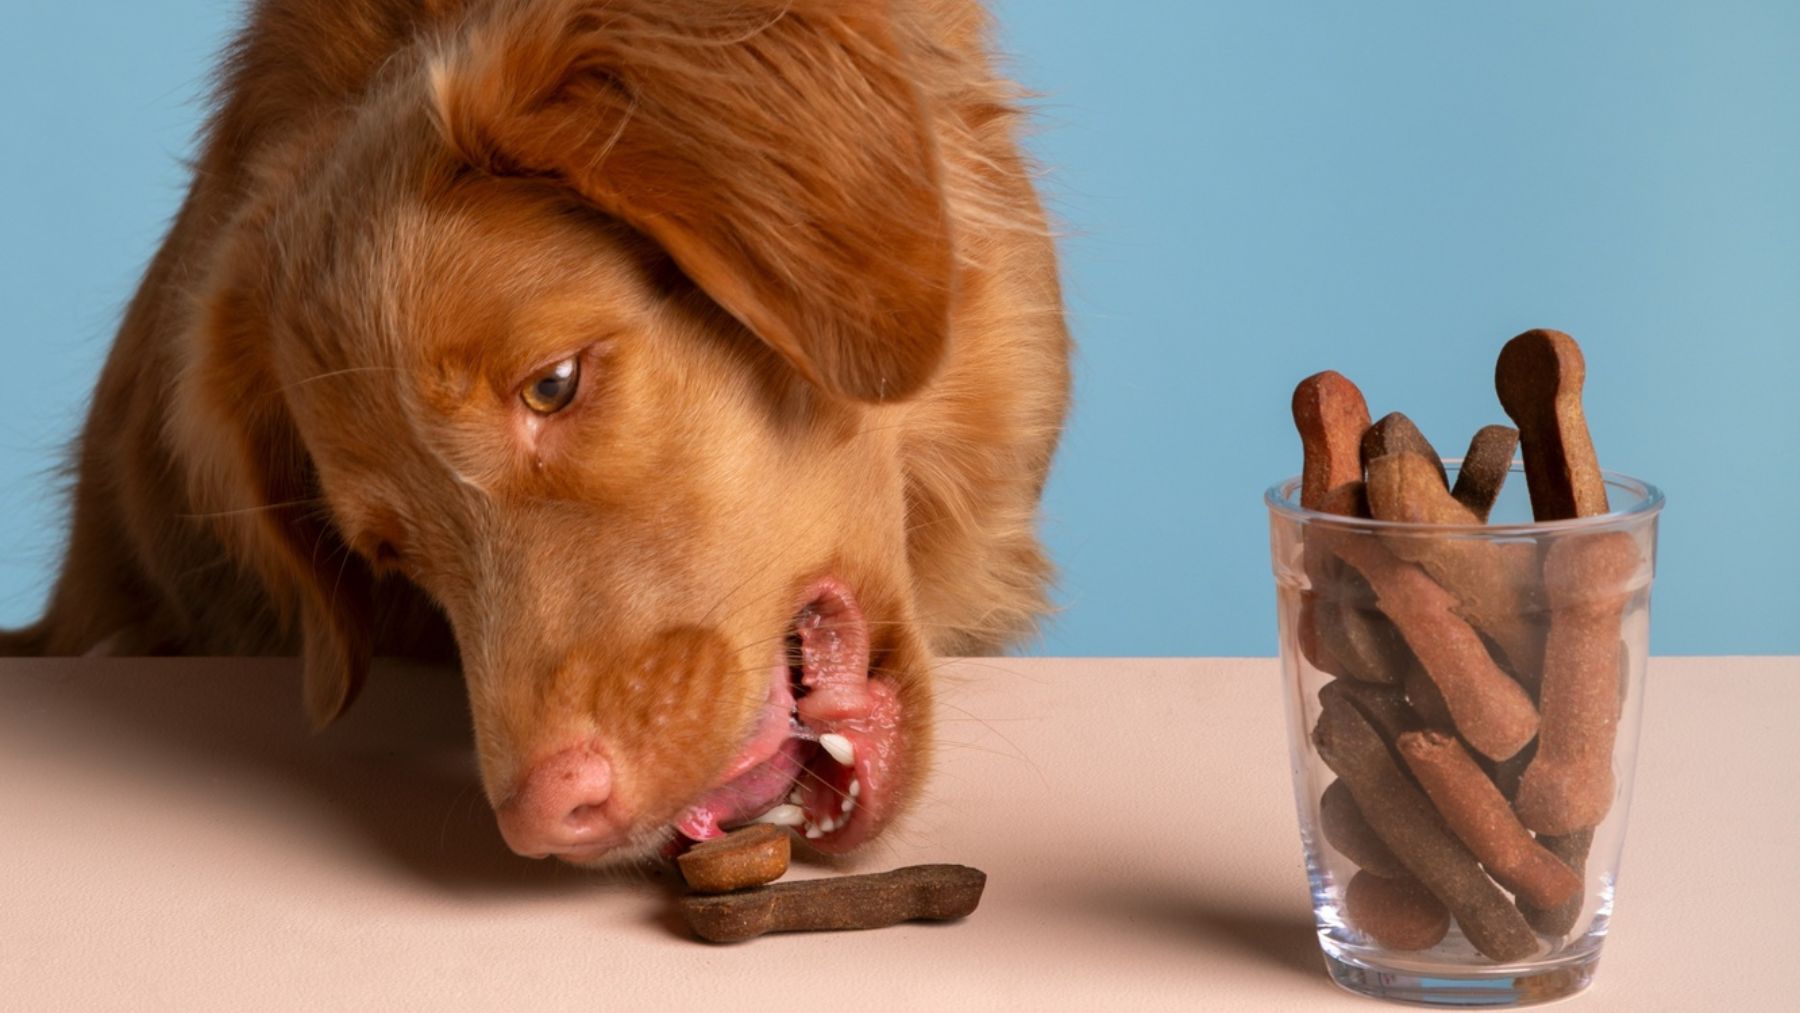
[(751, 794), (698, 824)]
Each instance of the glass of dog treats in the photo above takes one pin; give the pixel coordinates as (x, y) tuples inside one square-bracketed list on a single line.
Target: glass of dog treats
[(1463, 647)]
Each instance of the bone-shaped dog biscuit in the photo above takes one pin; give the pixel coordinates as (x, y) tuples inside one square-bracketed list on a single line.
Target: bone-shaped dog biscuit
[(915, 893), (1478, 814), (1539, 378), (1384, 707), (1398, 913), (1346, 831), (1331, 415), (1572, 849), (1587, 580), (1353, 641), (1394, 434), (1413, 830), (1494, 584), (1484, 469), (1491, 711)]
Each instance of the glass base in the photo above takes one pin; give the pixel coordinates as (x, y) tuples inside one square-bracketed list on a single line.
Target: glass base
[(1545, 983)]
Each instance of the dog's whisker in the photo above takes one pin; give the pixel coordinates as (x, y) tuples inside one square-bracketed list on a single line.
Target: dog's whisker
[(241, 511), (347, 371)]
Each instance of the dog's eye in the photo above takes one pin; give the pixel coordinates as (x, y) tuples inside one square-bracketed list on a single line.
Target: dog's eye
[(552, 390)]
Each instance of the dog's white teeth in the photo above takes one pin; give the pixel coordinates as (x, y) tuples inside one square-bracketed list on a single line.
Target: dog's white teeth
[(794, 797), (839, 747), (789, 815), (855, 787), (847, 804), (827, 825), (814, 833)]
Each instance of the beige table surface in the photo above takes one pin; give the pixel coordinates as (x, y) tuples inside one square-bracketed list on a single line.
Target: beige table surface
[(170, 838)]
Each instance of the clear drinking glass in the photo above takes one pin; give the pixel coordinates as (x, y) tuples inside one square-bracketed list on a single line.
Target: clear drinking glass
[(1437, 649)]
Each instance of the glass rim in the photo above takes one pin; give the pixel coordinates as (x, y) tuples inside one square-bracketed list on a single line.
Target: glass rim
[(1281, 500)]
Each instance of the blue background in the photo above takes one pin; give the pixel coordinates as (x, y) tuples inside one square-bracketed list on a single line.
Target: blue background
[(1250, 192)]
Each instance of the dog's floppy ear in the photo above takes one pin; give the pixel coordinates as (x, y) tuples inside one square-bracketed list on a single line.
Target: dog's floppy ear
[(251, 477), (779, 150)]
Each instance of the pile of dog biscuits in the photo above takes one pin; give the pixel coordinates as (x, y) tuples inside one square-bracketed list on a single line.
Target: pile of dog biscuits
[(1476, 682), (733, 901)]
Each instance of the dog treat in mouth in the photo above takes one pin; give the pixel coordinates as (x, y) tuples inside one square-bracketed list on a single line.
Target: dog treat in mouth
[(1398, 912), (1412, 829), (1484, 469), (1478, 814), (752, 856), (873, 901), (1539, 378)]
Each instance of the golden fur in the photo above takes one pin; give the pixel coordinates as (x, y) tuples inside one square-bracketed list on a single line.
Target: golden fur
[(797, 250)]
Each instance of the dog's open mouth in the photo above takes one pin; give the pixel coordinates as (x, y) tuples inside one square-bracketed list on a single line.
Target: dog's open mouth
[(825, 755)]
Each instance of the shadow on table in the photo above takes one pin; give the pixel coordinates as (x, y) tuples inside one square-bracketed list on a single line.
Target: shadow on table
[(1276, 935), (397, 772)]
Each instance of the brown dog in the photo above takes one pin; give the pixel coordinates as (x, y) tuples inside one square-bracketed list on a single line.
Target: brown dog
[(688, 368)]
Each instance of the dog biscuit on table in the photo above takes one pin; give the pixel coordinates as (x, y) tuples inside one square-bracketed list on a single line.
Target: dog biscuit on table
[(915, 893)]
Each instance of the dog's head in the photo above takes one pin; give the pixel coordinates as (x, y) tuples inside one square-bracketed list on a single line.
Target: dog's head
[(598, 323)]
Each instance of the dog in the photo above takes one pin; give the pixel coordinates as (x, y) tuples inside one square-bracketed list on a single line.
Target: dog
[(687, 371)]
